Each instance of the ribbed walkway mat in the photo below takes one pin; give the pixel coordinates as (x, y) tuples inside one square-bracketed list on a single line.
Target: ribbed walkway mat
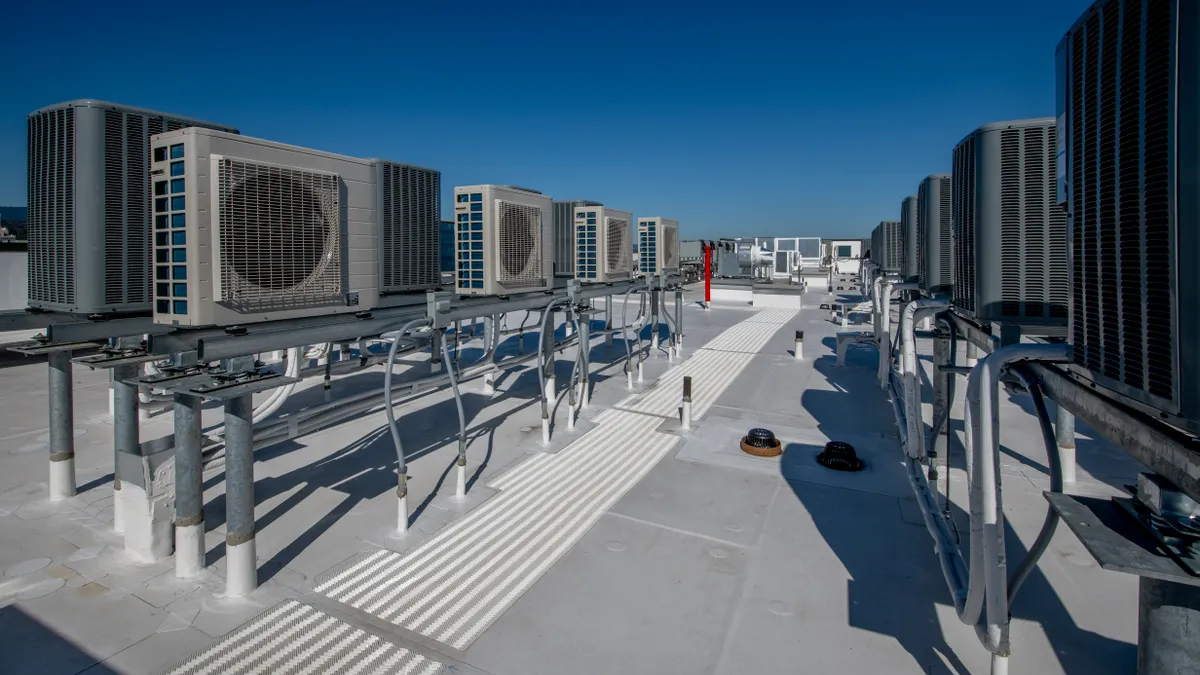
[(295, 638), (453, 586)]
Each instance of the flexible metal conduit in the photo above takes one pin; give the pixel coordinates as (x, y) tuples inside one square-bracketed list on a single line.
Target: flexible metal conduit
[(910, 372), (1031, 384), (547, 313), (983, 467), (401, 465)]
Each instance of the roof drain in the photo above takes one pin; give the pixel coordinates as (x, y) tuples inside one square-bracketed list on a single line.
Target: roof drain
[(761, 443), (839, 456)]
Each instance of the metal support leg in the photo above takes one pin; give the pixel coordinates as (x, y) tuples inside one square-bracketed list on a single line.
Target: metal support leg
[(654, 321), (189, 504), (1064, 434), (585, 344), (241, 567), (686, 405), (62, 427), (436, 336), (608, 324), (1168, 627), (679, 322), (125, 442), (972, 355)]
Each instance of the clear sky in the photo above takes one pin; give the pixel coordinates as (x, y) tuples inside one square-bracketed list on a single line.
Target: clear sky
[(738, 118)]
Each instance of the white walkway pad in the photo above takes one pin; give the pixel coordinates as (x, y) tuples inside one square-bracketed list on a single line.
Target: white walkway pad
[(297, 639), (456, 584)]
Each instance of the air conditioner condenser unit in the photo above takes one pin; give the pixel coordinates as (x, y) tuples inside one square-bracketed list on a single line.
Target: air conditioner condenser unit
[(1128, 113), (908, 238), (1010, 237), (90, 221), (247, 230), (603, 244), (504, 240), (564, 235), (934, 235), (658, 245)]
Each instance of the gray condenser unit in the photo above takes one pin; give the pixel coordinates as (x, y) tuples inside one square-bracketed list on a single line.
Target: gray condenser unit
[(564, 235), (891, 247), (908, 237), (1010, 237), (1129, 152), (90, 205), (877, 245), (934, 235), (409, 204)]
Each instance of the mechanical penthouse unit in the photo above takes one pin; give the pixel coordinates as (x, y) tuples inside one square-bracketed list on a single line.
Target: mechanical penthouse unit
[(934, 235), (564, 235), (248, 230), (1010, 237), (908, 237), (658, 245), (89, 205), (1129, 152), (505, 240), (603, 244)]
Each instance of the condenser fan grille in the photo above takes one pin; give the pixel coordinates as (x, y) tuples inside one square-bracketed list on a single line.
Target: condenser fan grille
[(618, 246), (520, 239), (280, 237)]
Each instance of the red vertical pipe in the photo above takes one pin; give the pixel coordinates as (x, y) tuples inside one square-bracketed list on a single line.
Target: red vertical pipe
[(707, 273)]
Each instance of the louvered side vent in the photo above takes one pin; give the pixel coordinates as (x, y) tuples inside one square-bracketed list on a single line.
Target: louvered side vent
[(919, 235), (409, 228), (51, 233), (1121, 115), (280, 237), (963, 218), (520, 239), (617, 247), (946, 240), (1010, 222)]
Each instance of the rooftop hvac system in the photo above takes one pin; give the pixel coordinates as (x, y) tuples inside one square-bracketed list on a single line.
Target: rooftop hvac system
[(891, 246), (1129, 147), (934, 235), (877, 245), (908, 237), (564, 235), (247, 230), (603, 244), (409, 214), (89, 205), (505, 243), (1010, 238), (658, 245)]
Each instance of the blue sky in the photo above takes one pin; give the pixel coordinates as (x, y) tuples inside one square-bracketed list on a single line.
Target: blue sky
[(801, 118)]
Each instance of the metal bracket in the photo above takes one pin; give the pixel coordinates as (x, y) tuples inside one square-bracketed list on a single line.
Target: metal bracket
[(41, 347), (112, 357)]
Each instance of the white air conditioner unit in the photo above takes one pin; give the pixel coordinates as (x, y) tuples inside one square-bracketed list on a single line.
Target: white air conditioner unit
[(603, 244), (658, 245), (246, 230), (504, 241)]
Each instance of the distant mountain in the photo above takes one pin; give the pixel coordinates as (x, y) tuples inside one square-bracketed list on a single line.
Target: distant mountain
[(16, 214)]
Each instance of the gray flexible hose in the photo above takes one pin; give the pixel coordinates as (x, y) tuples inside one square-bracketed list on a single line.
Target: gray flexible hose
[(401, 466), (546, 314), (1030, 382)]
